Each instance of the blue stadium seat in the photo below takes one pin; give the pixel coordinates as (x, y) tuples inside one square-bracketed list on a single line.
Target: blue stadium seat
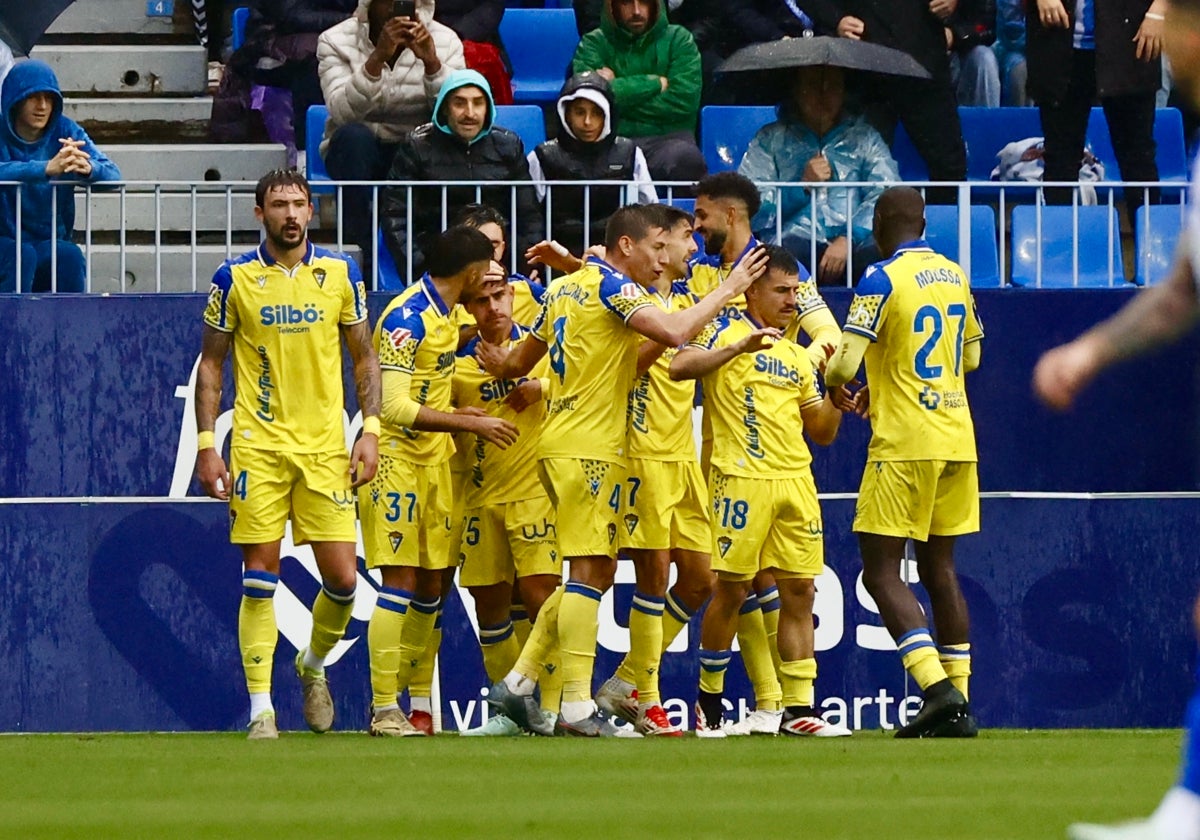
[(385, 267), (941, 231), (237, 36), (540, 45), (526, 120), (1168, 137), (1097, 227), (314, 125), (726, 132), (988, 130), (1156, 229), (911, 164)]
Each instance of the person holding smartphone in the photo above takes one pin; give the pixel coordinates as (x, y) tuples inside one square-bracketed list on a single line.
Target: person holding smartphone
[(380, 73)]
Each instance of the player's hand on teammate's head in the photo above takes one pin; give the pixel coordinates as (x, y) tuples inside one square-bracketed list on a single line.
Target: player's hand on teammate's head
[(524, 395), (551, 253), (213, 475), (491, 356), (749, 268), (364, 460)]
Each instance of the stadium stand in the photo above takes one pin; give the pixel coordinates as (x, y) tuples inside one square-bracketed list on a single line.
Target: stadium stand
[(941, 231), (1065, 244), (527, 121), (726, 131), (1157, 229), (540, 44)]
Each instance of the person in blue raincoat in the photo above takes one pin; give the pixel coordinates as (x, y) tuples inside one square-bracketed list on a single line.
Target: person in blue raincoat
[(815, 141), (39, 145)]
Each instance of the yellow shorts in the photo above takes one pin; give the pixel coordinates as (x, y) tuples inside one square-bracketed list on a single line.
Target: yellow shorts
[(509, 540), (458, 505), (269, 487), (586, 496), (406, 515), (665, 507), (766, 523), (917, 499)]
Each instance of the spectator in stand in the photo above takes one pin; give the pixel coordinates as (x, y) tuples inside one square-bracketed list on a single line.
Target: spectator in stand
[(381, 76), (462, 143), (970, 33), (1111, 51), (1010, 51), (654, 68), (477, 23), (39, 145), (587, 149), (928, 109), (815, 141)]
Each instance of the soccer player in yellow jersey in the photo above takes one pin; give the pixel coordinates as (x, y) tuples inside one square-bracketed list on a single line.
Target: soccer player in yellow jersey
[(590, 326), (667, 510), (761, 391), (284, 309), (509, 521), (406, 509), (726, 204), (913, 320)]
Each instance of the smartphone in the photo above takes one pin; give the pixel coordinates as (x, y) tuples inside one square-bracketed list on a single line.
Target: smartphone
[(404, 8)]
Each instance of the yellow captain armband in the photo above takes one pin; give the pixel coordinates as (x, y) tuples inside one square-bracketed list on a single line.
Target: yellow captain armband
[(205, 440), (370, 426)]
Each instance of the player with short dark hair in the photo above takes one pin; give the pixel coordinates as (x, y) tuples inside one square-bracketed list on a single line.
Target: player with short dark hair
[(586, 327), (913, 320), (283, 309), (757, 385), (406, 509)]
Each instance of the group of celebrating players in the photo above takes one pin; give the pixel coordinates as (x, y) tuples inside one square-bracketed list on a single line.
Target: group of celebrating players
[(508, 428)]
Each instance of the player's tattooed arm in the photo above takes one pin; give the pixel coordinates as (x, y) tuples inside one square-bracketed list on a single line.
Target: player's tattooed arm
[(366, 367), (210, 466)]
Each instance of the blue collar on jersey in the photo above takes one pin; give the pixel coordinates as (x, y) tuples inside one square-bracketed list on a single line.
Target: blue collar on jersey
[(746, 315), (431, 292), (607, 268), (266, 259), (914, 245)]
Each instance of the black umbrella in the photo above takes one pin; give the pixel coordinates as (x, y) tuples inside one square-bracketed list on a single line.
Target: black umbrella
[(831, 52), (23, 23)]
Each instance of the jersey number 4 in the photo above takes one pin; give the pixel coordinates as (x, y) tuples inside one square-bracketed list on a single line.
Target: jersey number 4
[(929, 320)]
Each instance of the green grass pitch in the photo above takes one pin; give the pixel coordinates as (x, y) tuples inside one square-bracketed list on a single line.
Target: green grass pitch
[(1006, 784)]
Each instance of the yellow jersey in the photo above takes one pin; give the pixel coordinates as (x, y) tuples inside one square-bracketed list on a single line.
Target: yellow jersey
[(593, 361), (287, 351), (495, 475), (416, 336), (754, 400), (918, 312), (660, 410)]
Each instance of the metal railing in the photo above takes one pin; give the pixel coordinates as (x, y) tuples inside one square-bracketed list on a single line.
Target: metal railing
[(207, 222)]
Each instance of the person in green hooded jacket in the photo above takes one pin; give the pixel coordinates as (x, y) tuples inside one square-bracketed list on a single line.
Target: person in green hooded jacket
[(654, 69)]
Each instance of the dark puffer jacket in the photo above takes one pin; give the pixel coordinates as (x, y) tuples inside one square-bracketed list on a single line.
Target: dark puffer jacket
[(433, 152)]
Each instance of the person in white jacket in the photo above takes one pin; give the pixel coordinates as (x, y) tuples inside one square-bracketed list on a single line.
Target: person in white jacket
[(380, 75)]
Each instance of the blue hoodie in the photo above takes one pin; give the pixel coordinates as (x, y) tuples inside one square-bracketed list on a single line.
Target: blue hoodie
[(26, 161), (456, 80)]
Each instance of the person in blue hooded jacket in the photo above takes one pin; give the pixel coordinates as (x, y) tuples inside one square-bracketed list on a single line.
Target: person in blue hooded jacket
[(816, 142), (462, 143), (39, 145)]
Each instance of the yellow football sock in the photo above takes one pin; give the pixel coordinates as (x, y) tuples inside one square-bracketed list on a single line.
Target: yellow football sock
[(768, 602), (421, 683), (414, 637), (551, 683), (331, 613), (498, 644), (521, 624), (712, 670), (578, 627), (383, 643), (543, 639), (257, 631), (676, 616), (756, 656), (645, 645), (956, 662), (798, 678), (920, 657)]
